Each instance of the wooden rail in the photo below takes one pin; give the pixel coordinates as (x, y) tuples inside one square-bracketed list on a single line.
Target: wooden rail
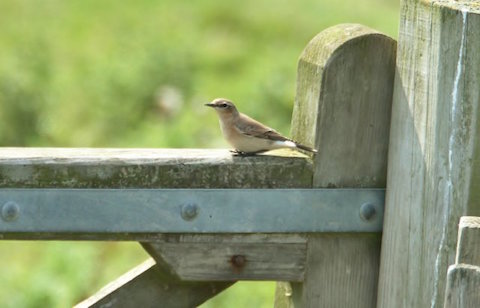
[(150, 168), (172, 168)]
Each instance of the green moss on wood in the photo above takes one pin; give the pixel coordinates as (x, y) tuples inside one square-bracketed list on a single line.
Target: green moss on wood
[(217, 170)]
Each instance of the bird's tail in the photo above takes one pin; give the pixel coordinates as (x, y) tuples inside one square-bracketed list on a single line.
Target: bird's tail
[(305, 148)]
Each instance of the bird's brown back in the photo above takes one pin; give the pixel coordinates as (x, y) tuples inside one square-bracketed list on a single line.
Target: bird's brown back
[(257, 129)]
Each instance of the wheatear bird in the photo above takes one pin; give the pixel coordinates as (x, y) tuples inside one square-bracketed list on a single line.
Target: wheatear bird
[(248, 136)]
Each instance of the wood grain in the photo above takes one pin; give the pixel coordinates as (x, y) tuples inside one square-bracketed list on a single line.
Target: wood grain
[(463, 285), (211, 257), (434, 154), (150, 168), (343, 105)]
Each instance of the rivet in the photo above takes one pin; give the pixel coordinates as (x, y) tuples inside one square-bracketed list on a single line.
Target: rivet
[(367, 211), (238, 262), (10, 211), (189, 211)]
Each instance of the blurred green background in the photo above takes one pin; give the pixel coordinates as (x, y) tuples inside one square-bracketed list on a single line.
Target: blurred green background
[(89, 73)]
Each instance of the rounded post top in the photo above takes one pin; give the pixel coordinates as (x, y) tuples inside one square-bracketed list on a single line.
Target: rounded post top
[(343, 104), (327, 42)]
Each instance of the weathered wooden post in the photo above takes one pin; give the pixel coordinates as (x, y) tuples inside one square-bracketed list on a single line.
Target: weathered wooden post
[(343, 103), (463, 278), (433, 169)]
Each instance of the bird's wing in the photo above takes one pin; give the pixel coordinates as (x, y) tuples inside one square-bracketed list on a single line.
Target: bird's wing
[(250, 127)]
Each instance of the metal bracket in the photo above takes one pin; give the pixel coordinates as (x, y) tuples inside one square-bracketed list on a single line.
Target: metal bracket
[(112, 211)]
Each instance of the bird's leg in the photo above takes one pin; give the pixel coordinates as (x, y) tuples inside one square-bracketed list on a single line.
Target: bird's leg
[(239, 153), (245, 154)]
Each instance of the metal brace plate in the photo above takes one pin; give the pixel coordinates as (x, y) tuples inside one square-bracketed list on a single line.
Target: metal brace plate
[(109, 211)]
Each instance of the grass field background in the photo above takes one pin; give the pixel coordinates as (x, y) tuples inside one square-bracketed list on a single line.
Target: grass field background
[(88, 73)]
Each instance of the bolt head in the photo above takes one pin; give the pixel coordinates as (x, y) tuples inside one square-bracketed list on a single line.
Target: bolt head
[(238, 261), (189, 211), (10, 211), (368, 211)]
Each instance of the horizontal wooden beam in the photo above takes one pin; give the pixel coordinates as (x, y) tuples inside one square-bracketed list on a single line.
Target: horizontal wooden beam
[(151, 168), (208, 257)]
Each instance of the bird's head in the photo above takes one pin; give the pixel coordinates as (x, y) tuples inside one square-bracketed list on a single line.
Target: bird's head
[(223, 106)]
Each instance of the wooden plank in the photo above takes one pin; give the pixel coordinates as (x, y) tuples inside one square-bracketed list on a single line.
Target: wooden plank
[(463, 286), (232, 257), (344, 91), (148, 285), (150, 168), (468, 244), (434, 155)]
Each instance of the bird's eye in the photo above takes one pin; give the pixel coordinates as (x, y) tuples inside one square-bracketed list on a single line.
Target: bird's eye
[(224, 105)]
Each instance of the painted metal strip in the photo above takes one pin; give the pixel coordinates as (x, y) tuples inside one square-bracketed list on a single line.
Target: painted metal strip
[(126, 211)]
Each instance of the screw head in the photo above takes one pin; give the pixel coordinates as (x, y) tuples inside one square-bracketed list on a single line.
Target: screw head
[(368, 211), (238, 261), (10, 211), (189, 211)]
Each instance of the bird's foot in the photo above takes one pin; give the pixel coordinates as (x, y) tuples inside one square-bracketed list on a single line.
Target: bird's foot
[(246, 154), (241, 153)]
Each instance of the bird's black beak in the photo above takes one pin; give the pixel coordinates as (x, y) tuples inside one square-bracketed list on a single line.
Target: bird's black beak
[(210, 105)]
